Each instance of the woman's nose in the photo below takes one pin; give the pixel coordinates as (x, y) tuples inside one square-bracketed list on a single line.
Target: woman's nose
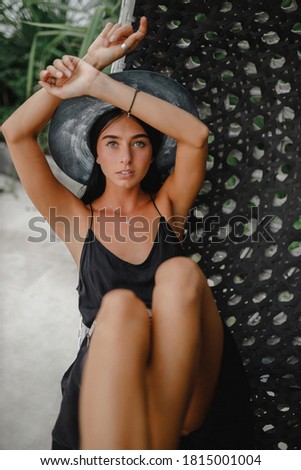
[(126, 156)]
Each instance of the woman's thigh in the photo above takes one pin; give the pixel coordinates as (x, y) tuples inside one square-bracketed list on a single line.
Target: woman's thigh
[(185, 289)]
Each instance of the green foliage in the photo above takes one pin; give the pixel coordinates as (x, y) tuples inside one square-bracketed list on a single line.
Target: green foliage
[(34, 32)]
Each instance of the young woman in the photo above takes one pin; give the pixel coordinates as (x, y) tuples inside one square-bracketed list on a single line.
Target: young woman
[(152, 371)]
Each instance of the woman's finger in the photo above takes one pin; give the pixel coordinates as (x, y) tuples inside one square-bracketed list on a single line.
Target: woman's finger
[(53, 72), (101, 40), (43, 75), (120, 33), (142, 31), (59, 65), (68, 62), (133, 40), (115, 28), (106, 29)]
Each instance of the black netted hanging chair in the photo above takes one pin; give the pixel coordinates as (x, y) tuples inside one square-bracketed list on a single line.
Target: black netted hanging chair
[(241, 62)]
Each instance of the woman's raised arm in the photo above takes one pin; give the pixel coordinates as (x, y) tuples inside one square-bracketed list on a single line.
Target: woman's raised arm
[(21, 129), (21, 132), (190, 133)]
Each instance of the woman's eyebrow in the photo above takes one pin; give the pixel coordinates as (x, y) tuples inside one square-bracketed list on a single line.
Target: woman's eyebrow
[(136, 136), (110, 137)]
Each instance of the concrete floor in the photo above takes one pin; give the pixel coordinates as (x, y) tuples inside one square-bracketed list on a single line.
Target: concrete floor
[(38, 322)]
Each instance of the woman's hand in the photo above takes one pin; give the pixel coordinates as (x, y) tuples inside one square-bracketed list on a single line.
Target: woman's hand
[(68, 77), (64, 78), (107, 46)]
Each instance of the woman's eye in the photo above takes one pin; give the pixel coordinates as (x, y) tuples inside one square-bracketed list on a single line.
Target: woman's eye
[(112, 143), (139, 143)]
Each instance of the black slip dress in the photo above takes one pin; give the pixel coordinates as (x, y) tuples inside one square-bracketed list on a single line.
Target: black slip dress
[(229, 422)]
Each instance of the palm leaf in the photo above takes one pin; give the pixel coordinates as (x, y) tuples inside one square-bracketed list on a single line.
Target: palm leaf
[(92, 30), (32, 54), (68, 27)]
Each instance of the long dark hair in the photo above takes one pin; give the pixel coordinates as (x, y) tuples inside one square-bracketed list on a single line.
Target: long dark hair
[(152, 181)]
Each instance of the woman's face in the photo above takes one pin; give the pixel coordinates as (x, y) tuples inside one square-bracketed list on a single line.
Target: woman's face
[(124, 152)]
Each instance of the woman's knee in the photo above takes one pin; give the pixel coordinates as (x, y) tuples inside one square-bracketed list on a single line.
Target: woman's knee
[(121, 306), (118, 298), (183, 273)]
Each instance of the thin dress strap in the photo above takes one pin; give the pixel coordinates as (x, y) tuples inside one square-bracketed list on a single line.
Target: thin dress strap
[(155, 205), (91, 223)]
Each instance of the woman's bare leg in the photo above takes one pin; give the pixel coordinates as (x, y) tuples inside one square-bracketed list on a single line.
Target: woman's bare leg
[(113, 409), (183, 312), (144, 404), (212, 342)]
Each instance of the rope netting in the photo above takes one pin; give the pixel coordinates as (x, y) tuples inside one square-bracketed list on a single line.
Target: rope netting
[(241, 62)]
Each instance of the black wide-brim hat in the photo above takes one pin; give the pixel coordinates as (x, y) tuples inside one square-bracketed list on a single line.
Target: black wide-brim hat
[(69, 131)]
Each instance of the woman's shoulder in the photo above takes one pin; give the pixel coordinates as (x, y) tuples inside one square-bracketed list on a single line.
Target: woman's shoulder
[(75, 229), (164, 205)]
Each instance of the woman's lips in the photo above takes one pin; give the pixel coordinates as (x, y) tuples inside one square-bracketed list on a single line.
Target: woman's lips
[(125, 173)]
